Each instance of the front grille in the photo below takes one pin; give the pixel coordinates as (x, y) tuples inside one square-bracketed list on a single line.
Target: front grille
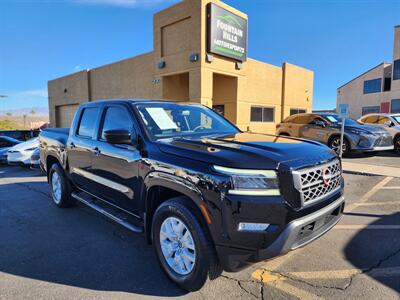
[(318, 182), (384, 141)]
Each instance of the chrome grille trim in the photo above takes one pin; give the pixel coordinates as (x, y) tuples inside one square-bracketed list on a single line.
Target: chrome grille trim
[(318, 182)]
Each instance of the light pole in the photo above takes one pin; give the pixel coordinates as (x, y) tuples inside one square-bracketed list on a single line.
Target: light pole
[(3, 96)]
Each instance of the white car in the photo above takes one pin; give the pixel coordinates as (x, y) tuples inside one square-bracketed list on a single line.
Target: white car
[(35, 159), (21, 154), (391, 122)]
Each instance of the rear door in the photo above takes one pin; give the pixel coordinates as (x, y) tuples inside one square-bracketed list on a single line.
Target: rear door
[(116, 166), (298, 125), (80, 147)]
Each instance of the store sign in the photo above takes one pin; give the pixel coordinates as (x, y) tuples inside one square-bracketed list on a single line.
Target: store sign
[(227, 33)]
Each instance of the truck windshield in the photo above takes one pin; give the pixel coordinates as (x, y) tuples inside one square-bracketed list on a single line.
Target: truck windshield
[(166, 120)]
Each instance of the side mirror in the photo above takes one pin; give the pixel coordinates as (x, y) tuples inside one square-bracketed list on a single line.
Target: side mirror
[(118, 136), (388, 124), (320, 124)]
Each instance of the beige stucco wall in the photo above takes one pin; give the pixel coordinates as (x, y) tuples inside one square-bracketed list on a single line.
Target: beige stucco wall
[(71, 89), (396, 56), (297, 88), (352, 93), (180, 31)]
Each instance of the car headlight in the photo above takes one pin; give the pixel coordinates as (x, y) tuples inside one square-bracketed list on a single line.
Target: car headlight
[(361, 132), (251, 182)]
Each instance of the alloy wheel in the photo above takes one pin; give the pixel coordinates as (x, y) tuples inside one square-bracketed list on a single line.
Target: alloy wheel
[(56, 187), (335, 145), (177, 245)]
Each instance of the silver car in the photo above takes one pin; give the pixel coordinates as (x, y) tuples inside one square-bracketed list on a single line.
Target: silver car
[(326, 128), (390, 121)]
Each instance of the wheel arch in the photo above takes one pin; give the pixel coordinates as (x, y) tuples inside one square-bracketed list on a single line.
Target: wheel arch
[(160, 187), (334, 135)]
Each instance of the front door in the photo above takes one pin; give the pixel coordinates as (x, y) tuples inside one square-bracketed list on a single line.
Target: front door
[(116, 166), (316, 129)]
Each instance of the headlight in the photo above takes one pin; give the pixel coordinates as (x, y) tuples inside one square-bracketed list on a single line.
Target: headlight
[(31, 149), (252, 182), (361, 132)]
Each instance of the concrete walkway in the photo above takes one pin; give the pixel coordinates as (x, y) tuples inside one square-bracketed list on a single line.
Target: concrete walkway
[(362, 168)]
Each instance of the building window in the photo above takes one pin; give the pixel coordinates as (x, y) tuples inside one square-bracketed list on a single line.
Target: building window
[(219, 109), (395, 106), (370, 110), (295, 111), (372, 86), (387, 84), (396, 69), (262, 114)]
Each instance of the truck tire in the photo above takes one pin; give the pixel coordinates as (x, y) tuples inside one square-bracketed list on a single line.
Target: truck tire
[(60, 188), (183, 245)]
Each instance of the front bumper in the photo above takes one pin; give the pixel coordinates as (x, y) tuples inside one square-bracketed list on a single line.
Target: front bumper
[(19, 158), (371, 143), (296, 234), (386, 148)]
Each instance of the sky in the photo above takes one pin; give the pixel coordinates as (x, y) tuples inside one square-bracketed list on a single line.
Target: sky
[(44, 39)]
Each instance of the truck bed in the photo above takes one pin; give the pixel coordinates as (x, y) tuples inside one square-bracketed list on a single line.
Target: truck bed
[(56, 134)]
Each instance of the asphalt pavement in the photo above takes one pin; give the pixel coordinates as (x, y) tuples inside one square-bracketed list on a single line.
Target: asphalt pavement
[(52, 253)]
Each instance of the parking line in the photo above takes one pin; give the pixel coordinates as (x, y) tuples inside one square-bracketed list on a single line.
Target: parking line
[(343, 274), (367, 226), (369, 194), (278, 282), (391, 188)]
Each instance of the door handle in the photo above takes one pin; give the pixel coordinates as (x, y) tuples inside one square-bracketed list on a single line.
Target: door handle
[(96, 151)]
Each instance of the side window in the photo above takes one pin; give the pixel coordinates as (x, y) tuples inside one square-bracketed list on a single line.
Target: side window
[(88, 122), (383, 120), (371, 120), (116, 118), (303, 119)]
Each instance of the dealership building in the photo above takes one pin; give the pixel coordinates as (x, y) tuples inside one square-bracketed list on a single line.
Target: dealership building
[(200, 55), (377, 90)]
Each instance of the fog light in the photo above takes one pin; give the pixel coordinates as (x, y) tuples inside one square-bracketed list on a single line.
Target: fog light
[(253, 226)]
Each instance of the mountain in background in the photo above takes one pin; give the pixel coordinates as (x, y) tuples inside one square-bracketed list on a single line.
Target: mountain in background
[(39, 111)]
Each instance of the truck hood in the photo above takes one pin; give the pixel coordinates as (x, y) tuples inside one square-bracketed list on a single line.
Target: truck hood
[(249, 151)]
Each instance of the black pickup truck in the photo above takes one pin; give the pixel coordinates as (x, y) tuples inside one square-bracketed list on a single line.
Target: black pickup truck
[(206, 195)]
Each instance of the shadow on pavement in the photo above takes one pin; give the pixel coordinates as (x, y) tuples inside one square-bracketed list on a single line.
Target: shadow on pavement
[(380, 154), (377, 250), (75, 247)]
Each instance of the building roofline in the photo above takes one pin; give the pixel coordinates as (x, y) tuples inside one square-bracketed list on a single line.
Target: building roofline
[(382, 63)]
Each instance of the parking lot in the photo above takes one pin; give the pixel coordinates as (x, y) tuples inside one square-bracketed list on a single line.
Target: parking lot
[(51, 253)]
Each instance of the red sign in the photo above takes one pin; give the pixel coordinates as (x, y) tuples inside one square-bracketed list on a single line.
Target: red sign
[(385, 107)]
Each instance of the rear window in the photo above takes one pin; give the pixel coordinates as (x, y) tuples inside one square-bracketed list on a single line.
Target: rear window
[(88, 122)]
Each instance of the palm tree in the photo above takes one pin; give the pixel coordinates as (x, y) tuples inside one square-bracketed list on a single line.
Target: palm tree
[(33, 112)]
